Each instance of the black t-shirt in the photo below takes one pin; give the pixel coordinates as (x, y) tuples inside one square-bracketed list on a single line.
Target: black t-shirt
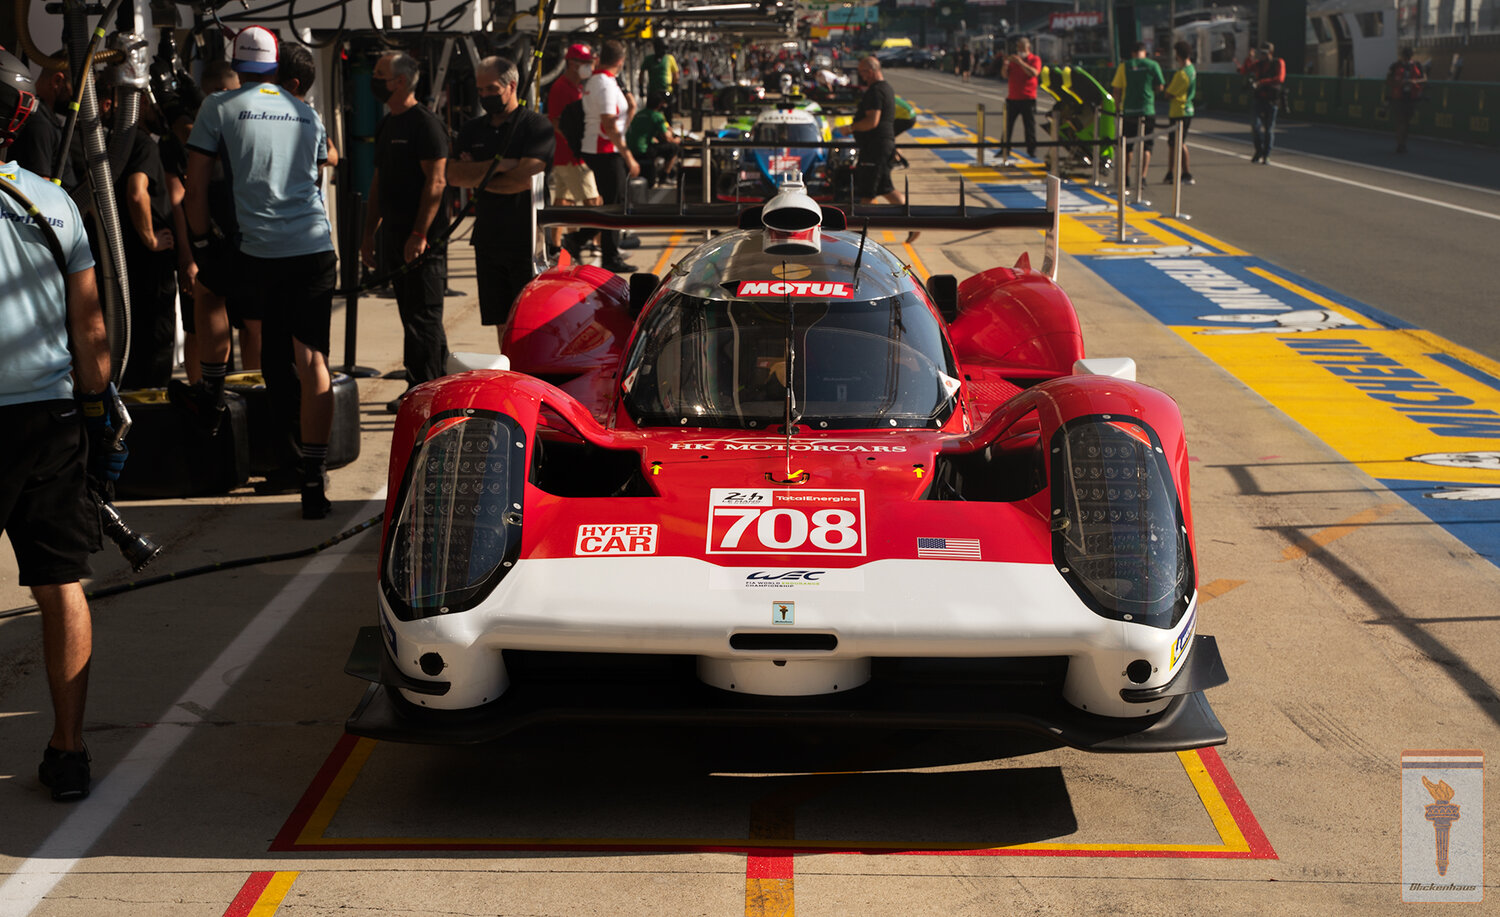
[(882, 97), (35, 147), (402, 143), (523, 135), (144, 158)]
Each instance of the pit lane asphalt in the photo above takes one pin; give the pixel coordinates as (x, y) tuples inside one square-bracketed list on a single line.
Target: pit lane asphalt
[(1352, 628)]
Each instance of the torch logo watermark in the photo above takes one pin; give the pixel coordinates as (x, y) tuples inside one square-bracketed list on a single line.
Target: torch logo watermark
[(1442, 842)]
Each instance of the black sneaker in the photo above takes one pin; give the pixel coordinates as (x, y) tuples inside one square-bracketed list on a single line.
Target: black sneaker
[(199, 402), (66, 773), (394, 405), (1168, 179), (619, 266), (1187, 178), (629, 240), (315, 503)]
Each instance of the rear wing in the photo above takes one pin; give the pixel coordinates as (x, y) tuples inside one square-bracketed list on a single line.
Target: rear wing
[(689, 216)]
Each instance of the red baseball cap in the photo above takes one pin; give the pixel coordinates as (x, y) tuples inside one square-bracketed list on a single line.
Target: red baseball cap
[(580, 52)]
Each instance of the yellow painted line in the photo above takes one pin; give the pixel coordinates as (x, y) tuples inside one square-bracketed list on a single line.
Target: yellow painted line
[(916, 261), (270, 899), (1213, 801), (672, 243), (1206, 239), (1312, 297), (1307, 544), (317, 824)]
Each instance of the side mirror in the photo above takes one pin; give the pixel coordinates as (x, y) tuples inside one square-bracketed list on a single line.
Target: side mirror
[(944, 291), (642, 285)]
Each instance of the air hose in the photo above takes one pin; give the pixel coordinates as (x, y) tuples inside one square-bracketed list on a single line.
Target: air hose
[(235, 564)]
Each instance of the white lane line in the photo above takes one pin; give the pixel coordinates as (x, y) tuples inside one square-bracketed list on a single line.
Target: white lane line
[(1357, 184), (35, 878), (1360, 165), (951, 85)]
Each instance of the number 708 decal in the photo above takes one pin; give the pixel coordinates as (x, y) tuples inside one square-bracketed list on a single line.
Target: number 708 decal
[(765, 521)]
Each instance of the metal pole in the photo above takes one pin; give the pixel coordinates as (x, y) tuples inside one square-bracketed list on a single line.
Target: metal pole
[(1119, 179), (979, 153), (1139, 142), (1097, 153), (708, 158), (1178, 137)]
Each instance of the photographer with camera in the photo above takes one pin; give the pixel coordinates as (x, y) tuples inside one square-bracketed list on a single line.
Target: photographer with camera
[(1267, 76), (1405, 84), (60, 454)]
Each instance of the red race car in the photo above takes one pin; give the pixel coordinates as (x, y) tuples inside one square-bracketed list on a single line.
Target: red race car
[(790, 481)]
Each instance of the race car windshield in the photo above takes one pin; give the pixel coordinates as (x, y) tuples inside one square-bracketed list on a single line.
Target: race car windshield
[(787, 133), (876, 363)]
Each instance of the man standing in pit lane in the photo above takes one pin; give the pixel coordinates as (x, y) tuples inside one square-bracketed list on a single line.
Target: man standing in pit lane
[(874, 134), (272, 144), (57, 362), (504, 238), (571, 181), (406, 193), (1136, 83), (1267, 75), (1022, 69), (607, 110)]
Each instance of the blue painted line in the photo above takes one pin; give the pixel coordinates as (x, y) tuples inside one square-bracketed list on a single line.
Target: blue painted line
[(1457, 365), (1468, 512)]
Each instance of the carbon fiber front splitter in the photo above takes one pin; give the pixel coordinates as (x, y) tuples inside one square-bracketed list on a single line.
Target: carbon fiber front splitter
[(980, 695)]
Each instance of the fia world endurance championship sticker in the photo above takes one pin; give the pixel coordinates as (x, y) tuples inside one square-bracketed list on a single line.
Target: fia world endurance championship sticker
[(1442, 825)]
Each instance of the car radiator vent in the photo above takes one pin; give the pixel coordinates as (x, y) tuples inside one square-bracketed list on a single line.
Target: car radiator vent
[(790, 643)]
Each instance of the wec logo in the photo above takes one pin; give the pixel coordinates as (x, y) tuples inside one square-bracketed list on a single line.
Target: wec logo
[(833, 289), (793, 576)]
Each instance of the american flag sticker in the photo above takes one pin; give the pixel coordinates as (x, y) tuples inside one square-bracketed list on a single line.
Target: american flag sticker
[(948, 548)]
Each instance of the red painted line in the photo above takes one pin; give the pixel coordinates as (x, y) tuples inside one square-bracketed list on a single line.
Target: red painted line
[(768, 867), (249, 894), (1260, 845), (286, 838)]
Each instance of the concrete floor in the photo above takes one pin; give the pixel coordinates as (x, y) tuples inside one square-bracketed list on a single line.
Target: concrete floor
[(1351, 625)]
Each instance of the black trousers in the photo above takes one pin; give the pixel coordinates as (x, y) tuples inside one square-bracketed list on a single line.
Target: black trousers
[(612, 178), (1025, 109), (419, 300)]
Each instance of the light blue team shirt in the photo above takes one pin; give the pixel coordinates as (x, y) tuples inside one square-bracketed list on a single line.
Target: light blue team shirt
[(271, 144), (35, 364)]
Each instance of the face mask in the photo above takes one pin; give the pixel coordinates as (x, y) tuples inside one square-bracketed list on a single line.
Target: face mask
[(585, 71), (493, 105), (379, 89)]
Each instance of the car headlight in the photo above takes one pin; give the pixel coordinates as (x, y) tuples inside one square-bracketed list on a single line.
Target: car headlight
[(1118, 532), (457, 528)]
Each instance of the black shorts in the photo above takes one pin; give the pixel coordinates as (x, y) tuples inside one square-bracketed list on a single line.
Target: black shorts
[(872, 174), (1133, 124), (45, 506), (296, 290), (502, 268)]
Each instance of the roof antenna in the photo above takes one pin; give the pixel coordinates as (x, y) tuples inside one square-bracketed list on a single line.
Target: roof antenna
[(863, 235)]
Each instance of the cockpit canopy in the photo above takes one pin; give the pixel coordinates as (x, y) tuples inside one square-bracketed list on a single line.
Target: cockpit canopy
[(720, 345)]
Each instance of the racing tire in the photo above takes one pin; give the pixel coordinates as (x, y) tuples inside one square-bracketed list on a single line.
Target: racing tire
[(343, 438), (171, 457)]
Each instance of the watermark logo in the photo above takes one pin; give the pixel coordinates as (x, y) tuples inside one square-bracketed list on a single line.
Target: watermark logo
[(1442, 825)]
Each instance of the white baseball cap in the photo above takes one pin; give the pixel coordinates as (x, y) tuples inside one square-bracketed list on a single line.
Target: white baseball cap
[(255, 50)]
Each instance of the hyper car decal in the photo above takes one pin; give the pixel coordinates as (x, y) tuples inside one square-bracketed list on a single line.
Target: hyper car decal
[(615, 540)]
